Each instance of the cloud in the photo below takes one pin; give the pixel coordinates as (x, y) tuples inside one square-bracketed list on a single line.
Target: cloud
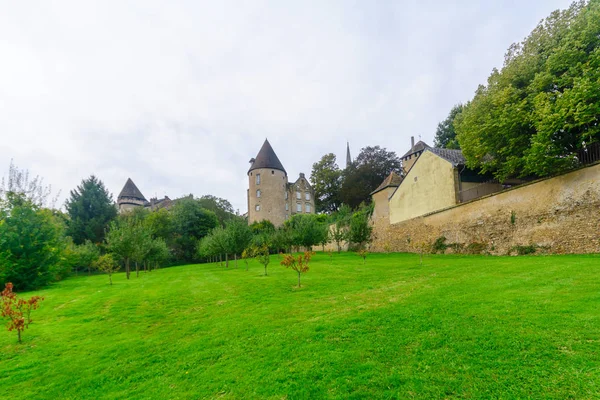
[(180, 95)]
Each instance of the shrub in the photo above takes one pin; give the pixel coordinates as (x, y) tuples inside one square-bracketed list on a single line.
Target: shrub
[(439, 246), (17, 311), (524, 250)]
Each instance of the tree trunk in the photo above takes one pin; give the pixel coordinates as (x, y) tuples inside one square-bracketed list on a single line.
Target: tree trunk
[(19, 335), (137, 270), (110, 279), (226, 260), (298, 279), (265, 270), (221, 260), (127, 267), (235, 257)]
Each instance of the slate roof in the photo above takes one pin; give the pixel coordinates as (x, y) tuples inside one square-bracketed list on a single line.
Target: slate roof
[(393, 180), (266, 158), (130, 190), (419, 146), (453, 156)]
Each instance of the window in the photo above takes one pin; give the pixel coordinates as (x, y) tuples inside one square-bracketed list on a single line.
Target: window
[(307, 196), (257, 207), (258, 179), (299, 207), (286, 216), (298, 195), (258, 193), (307, 208), (287, 207), (286, 195), (272, 172)]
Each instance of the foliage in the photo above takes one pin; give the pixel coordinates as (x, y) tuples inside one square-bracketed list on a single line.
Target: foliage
[(91, 209), (86, 254), (31, 244), (524, 250), (238, 235), (121, 241), (298, 263), (326, 179), (360, 227), (32, 189), (363, 254), (370, 168), (191, 223), (107, 264), (339, 233), (445, 135), (439, 245), (262, 256), (533, 116), (247, 254), (262, 227), (307, 230), (17, 311), (221, 207)]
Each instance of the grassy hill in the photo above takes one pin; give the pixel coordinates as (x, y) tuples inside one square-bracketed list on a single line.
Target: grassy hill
[(457, 326)]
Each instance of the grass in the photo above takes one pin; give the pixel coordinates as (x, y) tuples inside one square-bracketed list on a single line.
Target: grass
[(455, 327)]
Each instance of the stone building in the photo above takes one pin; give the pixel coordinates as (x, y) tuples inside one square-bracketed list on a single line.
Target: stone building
[(131, 197), (270, 196)]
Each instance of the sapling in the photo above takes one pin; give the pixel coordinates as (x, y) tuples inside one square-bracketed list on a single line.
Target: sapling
[(298, 263), (17, 311)]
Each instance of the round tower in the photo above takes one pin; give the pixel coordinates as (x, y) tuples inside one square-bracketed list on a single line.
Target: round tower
[(130, 197), (267, 193)]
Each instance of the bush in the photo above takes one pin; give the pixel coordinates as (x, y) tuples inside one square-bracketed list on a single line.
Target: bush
[(524, 250), (439, 246)]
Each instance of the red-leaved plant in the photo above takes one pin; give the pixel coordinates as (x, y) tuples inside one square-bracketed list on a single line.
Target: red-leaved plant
[(298, 263), (17, 311)]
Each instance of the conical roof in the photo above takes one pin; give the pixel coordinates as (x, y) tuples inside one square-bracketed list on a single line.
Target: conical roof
[(266, 158), (393, 180), (130, 190)]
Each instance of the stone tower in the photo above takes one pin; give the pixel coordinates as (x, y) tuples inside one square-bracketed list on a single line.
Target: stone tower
[(130, 197), (267, 193), (270, 195)]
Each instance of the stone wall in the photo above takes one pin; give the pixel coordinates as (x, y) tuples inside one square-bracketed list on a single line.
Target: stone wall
[(557, 215)]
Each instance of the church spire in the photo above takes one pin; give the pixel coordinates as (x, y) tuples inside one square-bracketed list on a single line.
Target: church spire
[(348, 158)]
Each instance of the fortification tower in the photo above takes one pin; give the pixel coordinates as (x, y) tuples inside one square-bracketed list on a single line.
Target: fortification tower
[(268, 183), (130, 197)]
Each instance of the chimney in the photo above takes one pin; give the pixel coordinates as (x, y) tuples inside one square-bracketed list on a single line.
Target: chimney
[(412, 142), (301, 174)]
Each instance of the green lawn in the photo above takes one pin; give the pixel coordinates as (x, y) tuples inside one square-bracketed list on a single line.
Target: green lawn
[(455, 327)]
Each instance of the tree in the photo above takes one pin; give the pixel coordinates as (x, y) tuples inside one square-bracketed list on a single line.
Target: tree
[(363, 254), (262, 256), (86, 254), (191, 223), (371, 167), (360, 227), (535, 115), (239, 237), (107, 264), (17, 311), (445, 135), (120, 241), (307, 230), (326, 178), (221, 207), (31, 244), (21, 184), (91, 209), (339, 233), (298, 263)]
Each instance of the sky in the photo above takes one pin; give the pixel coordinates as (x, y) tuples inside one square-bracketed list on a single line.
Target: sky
[(179, 95)]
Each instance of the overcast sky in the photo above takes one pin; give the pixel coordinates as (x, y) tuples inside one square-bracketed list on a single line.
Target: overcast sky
[(179, 95)]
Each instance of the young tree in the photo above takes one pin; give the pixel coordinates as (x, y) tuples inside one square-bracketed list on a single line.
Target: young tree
[(298, 263), (86, 255), (339, 233), (239, 236), (363, 254), (326, 178), (360, 228), (17, 311), (247, 254), (107, 264), (120, 241), (262, 256), (91, 209)]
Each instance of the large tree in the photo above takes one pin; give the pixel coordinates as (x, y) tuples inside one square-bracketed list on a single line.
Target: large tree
[(535, 115), (370, 168), (91, 209), (191, 222), (221, 207), (445, 135), (326, 178)]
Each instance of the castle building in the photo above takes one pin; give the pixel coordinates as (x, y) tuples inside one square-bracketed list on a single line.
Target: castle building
[(131, 197), (270, 196)]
